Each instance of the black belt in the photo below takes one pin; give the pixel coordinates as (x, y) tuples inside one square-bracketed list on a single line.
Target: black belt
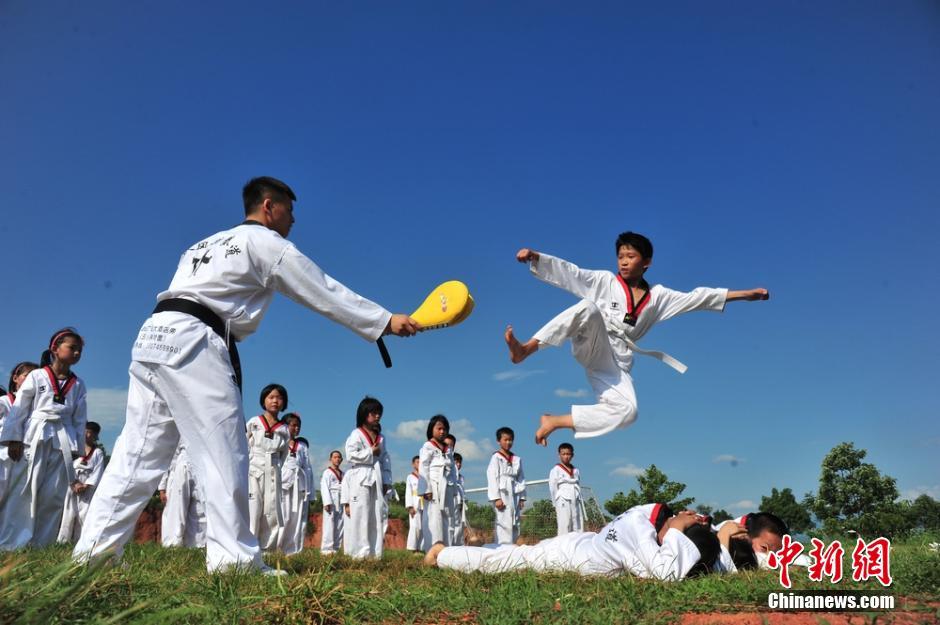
[(209, 318)]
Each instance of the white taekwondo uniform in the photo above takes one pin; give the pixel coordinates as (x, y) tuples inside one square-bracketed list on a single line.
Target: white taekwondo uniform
[(297, 487), (182, 385), (460, 510), (434, 467), (628, 544), (267, 450), (414, 499), (88, 470), (564, 485), (184, 515), (331, 486), (6, 405), (52, 432), (363, 488), (602, 340), (505, 480)]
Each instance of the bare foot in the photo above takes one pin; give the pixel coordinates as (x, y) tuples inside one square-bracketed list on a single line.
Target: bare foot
[(545, 428), (519, 351), (430, 558)]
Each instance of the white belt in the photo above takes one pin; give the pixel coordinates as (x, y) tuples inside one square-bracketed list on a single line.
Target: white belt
[(660, 356)]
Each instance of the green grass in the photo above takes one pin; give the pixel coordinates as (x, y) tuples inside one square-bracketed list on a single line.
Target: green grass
[(157, 585)]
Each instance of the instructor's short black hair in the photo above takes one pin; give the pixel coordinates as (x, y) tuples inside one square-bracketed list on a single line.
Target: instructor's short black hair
[(367, 406), (267, 390), (636, 241), (257, 189)]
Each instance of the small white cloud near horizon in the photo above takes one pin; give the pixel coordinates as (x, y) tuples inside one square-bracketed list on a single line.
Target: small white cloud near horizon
[(913, 493), (630, 470), (472, 450), (563, 392), (730, 459), (462, 427), (516, 375), (745, 505), (107, 407), (416, 430)]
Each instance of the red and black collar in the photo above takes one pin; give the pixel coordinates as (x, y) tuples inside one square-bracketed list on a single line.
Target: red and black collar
[(372, 441), (507, 455), (633, 308), (269, 429), (443, 448), (566, 469), (59, 392), (337, 472)]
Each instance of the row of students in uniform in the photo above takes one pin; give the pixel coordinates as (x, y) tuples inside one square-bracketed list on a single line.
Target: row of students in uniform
[(43, 429)]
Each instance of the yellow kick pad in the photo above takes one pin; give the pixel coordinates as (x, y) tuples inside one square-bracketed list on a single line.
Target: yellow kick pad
[(447, 305)]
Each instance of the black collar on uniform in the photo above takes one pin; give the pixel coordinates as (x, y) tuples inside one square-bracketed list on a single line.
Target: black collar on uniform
[(251, 222)]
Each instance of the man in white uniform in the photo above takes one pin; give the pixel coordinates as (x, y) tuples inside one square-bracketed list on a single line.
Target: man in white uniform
[(645, 541), (185, 374), (615, 311)]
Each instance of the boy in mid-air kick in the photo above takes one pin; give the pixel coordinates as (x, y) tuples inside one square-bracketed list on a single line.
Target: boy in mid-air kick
[(615, 311)]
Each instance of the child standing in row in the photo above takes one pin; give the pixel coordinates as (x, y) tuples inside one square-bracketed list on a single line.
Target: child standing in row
[(367, 481), (297, 485), (184, 503), (88, 470), (268, 441), (20, 371), (505, 487), (564, 485), (460, 496), (331, 485), (434, 467), (414, 503), (42, 433), (615, 311)]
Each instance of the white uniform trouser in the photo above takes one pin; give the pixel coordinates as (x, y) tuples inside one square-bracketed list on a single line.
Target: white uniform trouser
[(508, 520), (265, 504), (199, 402), (616, 405), (333, 523), (568, 514), (435, 524), (49, 483), (363, 528), (571, 552), (184, 516), (295, 520), (73, 515), (457, 526), (415, 533)]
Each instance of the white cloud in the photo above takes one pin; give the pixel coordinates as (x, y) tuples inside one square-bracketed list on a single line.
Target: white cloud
[(913, 493), (630, 470), (732, 460), (563, 392), (516, 375), (461, 427), (745, 505), (474, 450), (416, 430), (107, 406)]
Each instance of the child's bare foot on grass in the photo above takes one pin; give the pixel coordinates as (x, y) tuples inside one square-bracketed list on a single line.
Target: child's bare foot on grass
[(519, 351), (430, 558)]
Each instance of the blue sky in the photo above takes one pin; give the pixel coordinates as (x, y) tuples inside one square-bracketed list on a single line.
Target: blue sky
[(785, 145)]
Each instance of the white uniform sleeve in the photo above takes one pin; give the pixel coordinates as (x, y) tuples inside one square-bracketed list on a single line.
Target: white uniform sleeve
[(308, 474), (75, 423), (520, 482), (724, 563), (97, 460), (492, 479), (300, 279), (325, 494), (13, 426), (424, 469), (584, 283), (553, 477), (675, 558), (356, 449), (385, 462), (410, 487), (675, 303)]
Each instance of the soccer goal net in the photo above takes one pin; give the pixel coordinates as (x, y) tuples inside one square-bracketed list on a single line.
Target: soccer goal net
[(538, 515)]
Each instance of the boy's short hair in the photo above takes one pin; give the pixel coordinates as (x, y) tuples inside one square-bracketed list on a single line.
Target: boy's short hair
[(94, 427), (438, 418), (708, 547), (292, 415), (416, 458), (637, 241), (457, 457), (367, 406), (450, 436), (757, 522), (336, 451), (567, 446), (257, 189), (267, 390), (505, 430)]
